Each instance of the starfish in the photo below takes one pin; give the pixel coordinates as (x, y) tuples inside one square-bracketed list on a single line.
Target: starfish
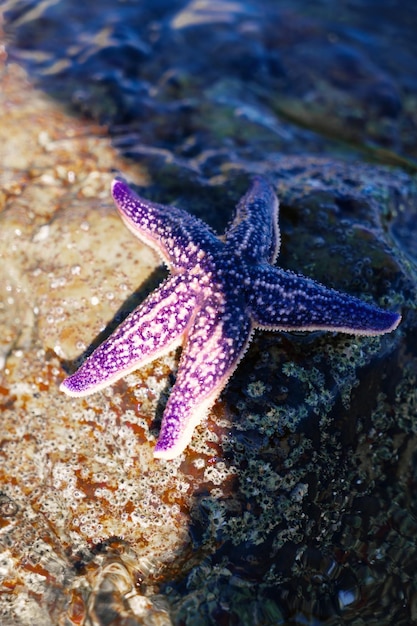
[(220, 289)]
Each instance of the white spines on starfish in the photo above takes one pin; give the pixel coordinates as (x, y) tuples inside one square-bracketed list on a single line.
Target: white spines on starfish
[(176, 235), (254, 232), (282, 300)]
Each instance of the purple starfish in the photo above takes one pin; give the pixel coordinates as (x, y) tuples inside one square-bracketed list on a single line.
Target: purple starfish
[(218, 292)]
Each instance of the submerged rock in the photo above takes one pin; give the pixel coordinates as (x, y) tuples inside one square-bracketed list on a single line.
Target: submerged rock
[(192, 78), (295, 500)]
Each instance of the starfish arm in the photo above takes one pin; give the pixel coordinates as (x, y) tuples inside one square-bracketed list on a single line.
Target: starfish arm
[(152, 329), (177, 236), (254, 232), (212, 351), (282, 300)]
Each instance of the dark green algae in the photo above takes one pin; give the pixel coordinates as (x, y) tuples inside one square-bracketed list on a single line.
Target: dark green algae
[(319, 524)]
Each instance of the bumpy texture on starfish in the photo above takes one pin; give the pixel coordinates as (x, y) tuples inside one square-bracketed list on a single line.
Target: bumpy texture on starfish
[(218, 292)]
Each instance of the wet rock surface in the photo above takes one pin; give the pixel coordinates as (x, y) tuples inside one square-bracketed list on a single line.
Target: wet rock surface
[(295, 502)]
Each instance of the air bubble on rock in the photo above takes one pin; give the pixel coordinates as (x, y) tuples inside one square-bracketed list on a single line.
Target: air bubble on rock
[(346, 597), (42, 234), (59, 351)]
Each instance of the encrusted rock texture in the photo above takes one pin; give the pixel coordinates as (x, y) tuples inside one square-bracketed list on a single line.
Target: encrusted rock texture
[(296, 499)]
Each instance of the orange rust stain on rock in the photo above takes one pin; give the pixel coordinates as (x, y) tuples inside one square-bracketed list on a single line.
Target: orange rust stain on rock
[(129, 507), (137, 429), (11, 585), (37, 569), (77, 610), (4, 522), (88, 487)]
